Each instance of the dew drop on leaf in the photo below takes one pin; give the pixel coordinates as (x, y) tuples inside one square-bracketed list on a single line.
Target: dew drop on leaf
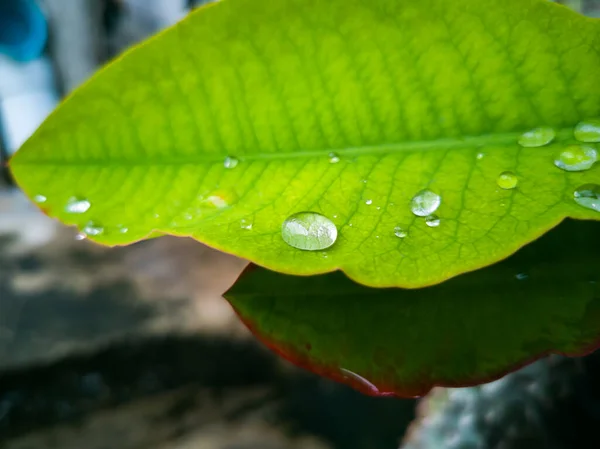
[(425, 203), (400, 232), (507, 180), (522, 276), (369, 202), (76, 205), (123, 229), (309, 231), (245, 224), (333, 158), (231, 162), (93, 229), (576, 158), (588, 195), (588, 130), (40, 199), (433, 221), (480, 156), (537, 137)]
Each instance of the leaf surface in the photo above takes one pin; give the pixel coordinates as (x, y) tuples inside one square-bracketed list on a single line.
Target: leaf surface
[(250, 111), (466, 331)]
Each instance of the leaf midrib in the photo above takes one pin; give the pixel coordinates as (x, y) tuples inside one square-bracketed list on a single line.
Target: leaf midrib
[(467, 142)]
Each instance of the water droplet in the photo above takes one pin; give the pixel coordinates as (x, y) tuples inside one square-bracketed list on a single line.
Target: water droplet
[(522, 276), (333, 158), (425, 203), (588, 130), (480, 156), (247, 225), (400, 232), (360, 382), (364, 181), (588, 195), (378, 207), (433, 221), (123, 229), (369, 202), (537, 137), (40, 199), (576, 158), (507, 180), (76, 205), (231, 162), (217, 201), (377, 237), (80, 236), (309, 231), (93, 229)]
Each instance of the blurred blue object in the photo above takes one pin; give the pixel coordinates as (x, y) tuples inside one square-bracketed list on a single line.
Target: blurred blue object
[(23, 29)]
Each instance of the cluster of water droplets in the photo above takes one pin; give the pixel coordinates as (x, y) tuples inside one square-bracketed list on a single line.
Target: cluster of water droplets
[(577, 157)]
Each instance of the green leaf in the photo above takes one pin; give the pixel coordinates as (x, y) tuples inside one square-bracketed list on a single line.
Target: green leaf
[(468, 330), (250, 111)]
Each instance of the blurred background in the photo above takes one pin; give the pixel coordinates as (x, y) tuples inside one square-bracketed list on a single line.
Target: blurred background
[(134, 347)]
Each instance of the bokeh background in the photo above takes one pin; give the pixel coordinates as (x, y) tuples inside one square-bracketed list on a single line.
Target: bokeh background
[(134, 347)]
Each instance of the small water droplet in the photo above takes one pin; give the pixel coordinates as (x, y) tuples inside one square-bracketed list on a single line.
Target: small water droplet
[(400, 232), (576, 158), (333, 158), (364, 181), (522, 276), (231, 162), (350, 224), (588, 130), (537, 137), (480, 156), (80, 236), (93, 229), (247, 225), (507, 180), (588, 195), (123, 229), (369, 202), (425, 203), (40, 199), (378, 207), (217, 201), (309, 231), (433, 221), (76, 205)]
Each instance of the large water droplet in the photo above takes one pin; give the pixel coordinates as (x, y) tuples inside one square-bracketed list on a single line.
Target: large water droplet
[(309, 231), (333, 158), (40, 199), (576, 158), (588, 130), (93, 229), (400, 232), (588, 195), (507, 180), (433, 221), (76, 205), (537, 137), (231, 162), (425, 203)]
